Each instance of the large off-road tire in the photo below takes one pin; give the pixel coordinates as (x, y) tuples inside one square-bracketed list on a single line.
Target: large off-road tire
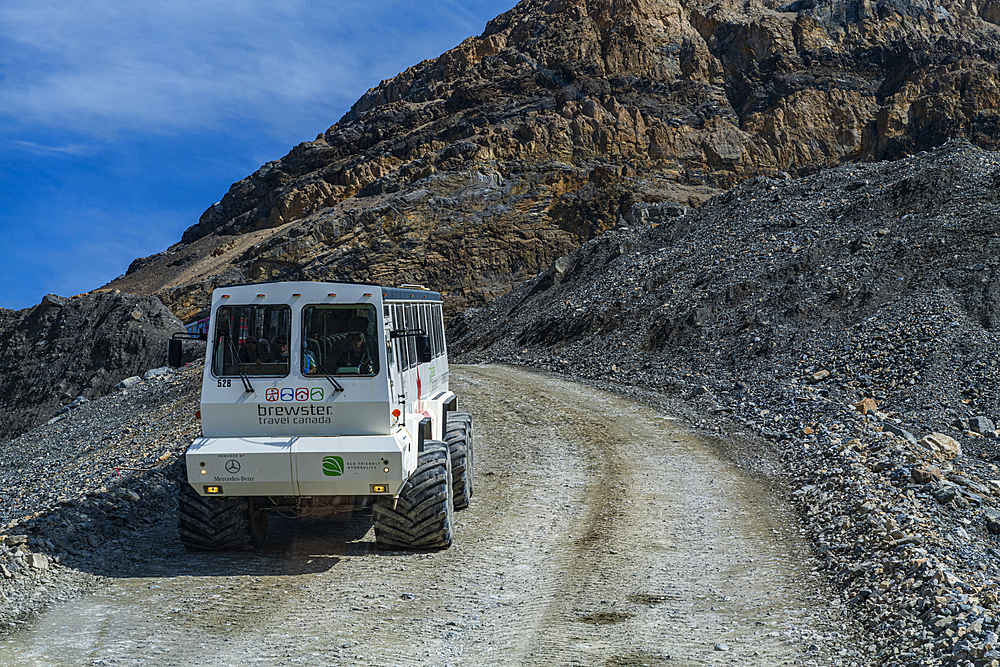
[(215, 524), (423, 515), (460, 417), (458, 435)]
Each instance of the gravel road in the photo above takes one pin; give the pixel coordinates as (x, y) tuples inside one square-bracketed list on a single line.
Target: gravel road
[(601, 532)]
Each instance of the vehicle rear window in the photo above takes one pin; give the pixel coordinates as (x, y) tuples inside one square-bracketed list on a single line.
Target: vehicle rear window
[(340, 340), (254, 338)]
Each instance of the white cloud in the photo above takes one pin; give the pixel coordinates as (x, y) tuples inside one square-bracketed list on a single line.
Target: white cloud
[(66, 149), (121, 121), (101, 67)]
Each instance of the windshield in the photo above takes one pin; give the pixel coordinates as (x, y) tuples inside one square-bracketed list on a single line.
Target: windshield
[(254, 337), (339, 340)]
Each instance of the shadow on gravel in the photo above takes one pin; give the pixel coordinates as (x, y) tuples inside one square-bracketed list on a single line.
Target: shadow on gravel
[(109, 534), (293, 547)]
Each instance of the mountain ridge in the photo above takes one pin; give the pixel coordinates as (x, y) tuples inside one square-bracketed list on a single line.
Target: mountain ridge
[(67, 350), (477, 169)]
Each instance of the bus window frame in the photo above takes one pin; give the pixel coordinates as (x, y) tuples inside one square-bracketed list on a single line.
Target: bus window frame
[(248, 368)]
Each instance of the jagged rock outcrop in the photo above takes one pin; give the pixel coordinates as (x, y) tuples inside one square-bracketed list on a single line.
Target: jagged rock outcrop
[(476, 169), (64, 349)]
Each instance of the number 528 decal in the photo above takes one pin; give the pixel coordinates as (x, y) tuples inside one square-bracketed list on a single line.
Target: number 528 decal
[(296, 394)]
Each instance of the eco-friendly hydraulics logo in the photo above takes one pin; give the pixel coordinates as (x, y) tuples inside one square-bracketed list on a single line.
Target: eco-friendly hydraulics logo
[(333, 466)]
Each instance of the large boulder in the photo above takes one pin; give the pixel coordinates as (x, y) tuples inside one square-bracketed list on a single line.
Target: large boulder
[(944, 447), (64, 349)]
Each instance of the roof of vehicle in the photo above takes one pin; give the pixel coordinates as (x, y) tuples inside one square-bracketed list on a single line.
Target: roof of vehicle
[(409, 293)]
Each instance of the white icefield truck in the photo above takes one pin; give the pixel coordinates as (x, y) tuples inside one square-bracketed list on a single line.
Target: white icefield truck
[(325, 397)]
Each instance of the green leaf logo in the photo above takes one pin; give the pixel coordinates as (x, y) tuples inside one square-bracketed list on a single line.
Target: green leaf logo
[(333, 466)]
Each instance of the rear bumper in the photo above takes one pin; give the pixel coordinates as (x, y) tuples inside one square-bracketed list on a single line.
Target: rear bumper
[(302, 466)]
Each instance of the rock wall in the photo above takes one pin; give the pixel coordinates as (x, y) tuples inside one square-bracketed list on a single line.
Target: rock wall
[(66, 350)]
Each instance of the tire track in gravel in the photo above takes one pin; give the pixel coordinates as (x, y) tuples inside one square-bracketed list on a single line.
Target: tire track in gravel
[(600, 533), (651, 563)]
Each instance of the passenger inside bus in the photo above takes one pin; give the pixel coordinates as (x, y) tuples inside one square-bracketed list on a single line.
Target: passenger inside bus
[(356, 355), (249, 353), (339, 339), (279, 349)]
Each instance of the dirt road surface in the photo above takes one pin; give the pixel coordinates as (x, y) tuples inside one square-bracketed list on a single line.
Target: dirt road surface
[(601, 532)]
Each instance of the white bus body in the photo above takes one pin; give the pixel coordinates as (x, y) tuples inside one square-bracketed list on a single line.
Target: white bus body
[(275, 424)]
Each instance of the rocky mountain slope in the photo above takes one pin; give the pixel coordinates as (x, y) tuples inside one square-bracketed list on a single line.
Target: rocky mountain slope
[(474, 170), (64, 352), (837, 332), (885, 275), (847, 317), (850, 319)]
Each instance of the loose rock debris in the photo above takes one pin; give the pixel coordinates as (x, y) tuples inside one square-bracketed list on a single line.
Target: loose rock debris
[(773, 311), (80, 492), (847, 323)]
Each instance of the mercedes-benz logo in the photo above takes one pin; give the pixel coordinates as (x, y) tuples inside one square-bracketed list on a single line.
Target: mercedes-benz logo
[(232, 466)]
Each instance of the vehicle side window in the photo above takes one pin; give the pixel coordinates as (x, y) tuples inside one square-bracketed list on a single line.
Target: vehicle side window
[(401, 346), (422, 320), (389, 350), (253, 339), (438, 326), (410, 322)]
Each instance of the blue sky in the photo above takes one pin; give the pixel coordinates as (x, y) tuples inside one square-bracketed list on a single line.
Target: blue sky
[(120, 122)]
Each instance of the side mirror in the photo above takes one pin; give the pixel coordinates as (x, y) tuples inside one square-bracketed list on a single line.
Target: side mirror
[(423, 349), (174, 353)]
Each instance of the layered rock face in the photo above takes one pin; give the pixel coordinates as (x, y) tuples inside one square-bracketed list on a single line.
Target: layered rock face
[(64, 349), (474, 170)]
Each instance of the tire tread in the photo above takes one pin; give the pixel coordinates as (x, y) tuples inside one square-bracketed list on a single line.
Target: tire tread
[(422, 517), (217, 524), (458, 435)]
